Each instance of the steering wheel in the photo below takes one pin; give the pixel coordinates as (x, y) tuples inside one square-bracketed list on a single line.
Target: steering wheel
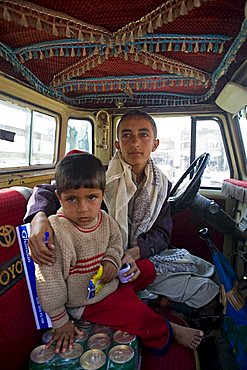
[(183, 193)]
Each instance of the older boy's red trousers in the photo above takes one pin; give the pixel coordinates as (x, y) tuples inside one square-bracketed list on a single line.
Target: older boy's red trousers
[(123, 310)]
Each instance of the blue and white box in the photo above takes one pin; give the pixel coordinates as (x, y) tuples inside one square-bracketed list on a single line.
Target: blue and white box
[(42, 320)]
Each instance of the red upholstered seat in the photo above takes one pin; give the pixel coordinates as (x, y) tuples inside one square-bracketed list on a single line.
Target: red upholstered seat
[(19, 335), (18, 330), (236, 189)]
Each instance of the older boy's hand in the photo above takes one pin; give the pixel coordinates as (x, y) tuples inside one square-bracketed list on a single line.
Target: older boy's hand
[(41, 253), (64, 337), (134, 252), (127, 258), (109, 272)]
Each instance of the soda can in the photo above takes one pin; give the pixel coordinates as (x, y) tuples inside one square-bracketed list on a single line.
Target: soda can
[(102, 329), (85, 325), (122, 337), (99, 341), (93, 359), (47, 336), (82, 338), (70, 359), (121, 357), (42, 358)]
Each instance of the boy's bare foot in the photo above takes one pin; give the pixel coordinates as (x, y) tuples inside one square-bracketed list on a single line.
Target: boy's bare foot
[(188, 337)]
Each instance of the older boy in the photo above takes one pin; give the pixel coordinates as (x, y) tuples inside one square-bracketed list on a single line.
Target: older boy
[(136, 197)]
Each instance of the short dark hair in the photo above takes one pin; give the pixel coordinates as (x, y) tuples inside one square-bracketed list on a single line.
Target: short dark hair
[(138, 113), (80, 171)]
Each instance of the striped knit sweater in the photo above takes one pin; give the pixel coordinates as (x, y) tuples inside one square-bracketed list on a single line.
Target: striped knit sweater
[(62, 287)]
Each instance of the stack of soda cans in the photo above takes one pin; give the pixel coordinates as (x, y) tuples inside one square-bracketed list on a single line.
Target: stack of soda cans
[(97, 348)]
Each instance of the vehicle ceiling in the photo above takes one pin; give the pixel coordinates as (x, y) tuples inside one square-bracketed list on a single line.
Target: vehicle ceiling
[(109, 54)]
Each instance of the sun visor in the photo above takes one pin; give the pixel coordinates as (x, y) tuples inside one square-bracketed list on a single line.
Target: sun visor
[(232, 98)]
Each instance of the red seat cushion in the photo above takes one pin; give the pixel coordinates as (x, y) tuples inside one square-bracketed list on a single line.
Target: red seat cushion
[(236, 189)]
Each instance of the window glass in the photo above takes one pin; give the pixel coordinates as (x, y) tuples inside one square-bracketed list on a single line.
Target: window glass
[(43, 138), (79, 135), (243, 127), (209, 140), (27, 137), (173, 153), (15, 125)]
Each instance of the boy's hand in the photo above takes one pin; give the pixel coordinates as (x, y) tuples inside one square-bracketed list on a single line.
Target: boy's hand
[(109, 272), (41, 252), (64, 337), (127, 258)]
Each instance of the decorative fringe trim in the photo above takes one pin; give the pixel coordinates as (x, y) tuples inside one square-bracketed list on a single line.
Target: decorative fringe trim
[(192, 75), (31, 15), (165, 99), (166, 12), (128, 84)]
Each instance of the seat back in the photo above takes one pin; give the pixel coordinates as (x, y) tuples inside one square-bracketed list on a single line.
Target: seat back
[(19, 335)]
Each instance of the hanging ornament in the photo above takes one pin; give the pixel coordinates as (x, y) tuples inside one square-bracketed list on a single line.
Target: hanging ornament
[(102, 39), (80, 35), (210, 47), (23, 21), (197, 3), (154, 65), (150, 27), (221, 49), (132, 49), (170, 17), (145, 48), (124, 38), (54, 29), (159, 21), (131, 37), (92, 38), (183, 47), (68, 32), (196, 48), (190, 5), (183, 9), (6, 14), (139, 32)]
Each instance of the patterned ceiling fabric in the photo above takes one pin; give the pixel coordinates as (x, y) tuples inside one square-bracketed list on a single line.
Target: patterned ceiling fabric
[(126, 53)]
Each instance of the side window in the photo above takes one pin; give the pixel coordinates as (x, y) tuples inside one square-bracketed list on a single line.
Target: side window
[(27, 137), (44, 135), (184, 138), (79, 135), (209, 139), (242, 118), (173, 153)]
